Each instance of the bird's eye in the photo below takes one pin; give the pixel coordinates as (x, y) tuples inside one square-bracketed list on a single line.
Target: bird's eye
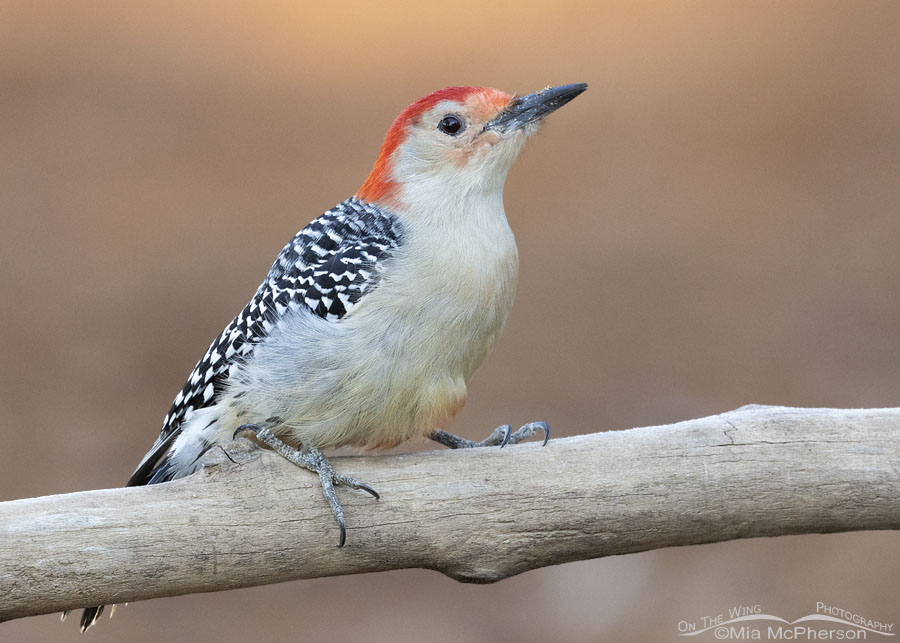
[(451, 125)]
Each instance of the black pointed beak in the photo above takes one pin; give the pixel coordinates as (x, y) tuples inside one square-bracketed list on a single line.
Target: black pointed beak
[(533, 107)]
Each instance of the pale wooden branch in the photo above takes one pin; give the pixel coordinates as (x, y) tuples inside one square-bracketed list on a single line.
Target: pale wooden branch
[(251, 518)]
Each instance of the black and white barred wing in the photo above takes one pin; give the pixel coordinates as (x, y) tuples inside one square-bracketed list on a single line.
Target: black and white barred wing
[(334, 261), (326, 269)]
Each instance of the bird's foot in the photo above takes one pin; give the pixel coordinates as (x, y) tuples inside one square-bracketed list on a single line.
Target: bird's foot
[(501, 436), (313, 460)]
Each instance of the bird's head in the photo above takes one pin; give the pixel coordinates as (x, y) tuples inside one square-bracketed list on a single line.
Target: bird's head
[(458, 140)]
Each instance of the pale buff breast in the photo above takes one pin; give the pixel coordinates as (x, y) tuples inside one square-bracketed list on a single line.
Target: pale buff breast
[(399, 363), (445, 320)]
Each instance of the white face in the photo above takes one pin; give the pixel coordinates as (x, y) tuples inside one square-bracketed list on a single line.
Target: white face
[(450, 141), (457, 142)]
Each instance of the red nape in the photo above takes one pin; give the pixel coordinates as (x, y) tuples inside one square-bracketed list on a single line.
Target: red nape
[(378, 186)]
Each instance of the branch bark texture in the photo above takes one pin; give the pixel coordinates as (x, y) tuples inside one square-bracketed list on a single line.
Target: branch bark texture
[(481, 515)]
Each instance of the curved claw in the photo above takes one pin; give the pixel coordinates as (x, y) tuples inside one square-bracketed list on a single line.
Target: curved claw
[(369, 489), (546, 428), (245, 427), (314, 460), (527, 431), (507, 431)]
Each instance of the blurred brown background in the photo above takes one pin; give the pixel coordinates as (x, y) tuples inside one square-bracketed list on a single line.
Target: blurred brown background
[(714, 223)]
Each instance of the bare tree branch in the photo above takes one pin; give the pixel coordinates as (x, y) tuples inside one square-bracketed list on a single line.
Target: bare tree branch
[(251, 518)]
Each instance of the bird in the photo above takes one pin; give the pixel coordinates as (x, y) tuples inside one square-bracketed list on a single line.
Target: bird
[(376, 315)]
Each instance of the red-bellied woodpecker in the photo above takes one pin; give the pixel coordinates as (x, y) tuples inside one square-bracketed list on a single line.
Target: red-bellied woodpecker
[(376, 315)]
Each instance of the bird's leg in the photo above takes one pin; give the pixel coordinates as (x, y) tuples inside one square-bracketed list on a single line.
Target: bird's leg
[(314, 460), (501, 436)]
